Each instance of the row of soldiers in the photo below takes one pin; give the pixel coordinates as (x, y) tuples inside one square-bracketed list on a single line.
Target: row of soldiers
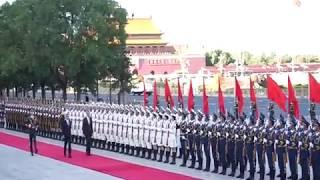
[(231, 141)]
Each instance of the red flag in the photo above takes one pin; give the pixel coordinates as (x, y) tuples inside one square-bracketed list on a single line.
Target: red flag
[(190, 98), (180, 97), (205, 100), (155, 95), (239, 95), (253, 98), (314, 89), (221, 99), (276, 94), (145, 96), (167, 94), (292, 99)]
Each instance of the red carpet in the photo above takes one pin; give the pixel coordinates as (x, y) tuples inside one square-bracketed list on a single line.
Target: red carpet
[(98, 163)]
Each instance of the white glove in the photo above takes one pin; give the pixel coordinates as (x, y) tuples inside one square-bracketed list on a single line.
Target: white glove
[(29, 125), (311, 145), (227, 134), (245, 136), (237, 136), (255, 139), (201, 132), (299, 143), (287, 142), (188, 130), (265, 140), (209, 133), (218, 134), (276, 141), (194, 131)]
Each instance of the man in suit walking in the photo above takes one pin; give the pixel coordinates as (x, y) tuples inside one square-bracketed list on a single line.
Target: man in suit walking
[(32, 126), (87, 131), (66, 125)]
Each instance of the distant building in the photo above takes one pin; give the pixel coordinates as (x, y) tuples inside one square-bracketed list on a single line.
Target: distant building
[(150, 53)]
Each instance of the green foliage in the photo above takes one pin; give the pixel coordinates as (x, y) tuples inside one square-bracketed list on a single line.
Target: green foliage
[(62, 43)]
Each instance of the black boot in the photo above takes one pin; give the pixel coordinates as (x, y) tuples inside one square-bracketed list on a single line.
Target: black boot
[(200, 164), (161, 155), (155, 154), (143, 153), (224, 171), (132, 150), (174, 154), (180, 153), (167, 157), (138, 151), (241, 176), (149, 153)]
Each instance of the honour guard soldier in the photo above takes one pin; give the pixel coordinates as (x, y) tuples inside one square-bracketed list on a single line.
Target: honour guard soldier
[(231, 141), (304, 153), (292, 145), (315, 148), (260, 146), (268, 140), (32, 126), (153, 134), (159, 135), (239, 138), (249, 141), (87, 131), (147, 133), (191, 136), (172, 141), (205, 128), (281, 146), (2, 114), (66, 125), (214, 142), (184, 139), (165, 135), (136, 132), (142, 131), (197, 138), (222, 143), (125, 131)]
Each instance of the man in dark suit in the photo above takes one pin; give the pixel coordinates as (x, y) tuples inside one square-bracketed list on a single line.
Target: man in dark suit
[(32, 127), (87, 131), (66, 125)]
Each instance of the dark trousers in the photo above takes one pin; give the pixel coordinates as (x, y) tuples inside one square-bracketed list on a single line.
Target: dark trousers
[(292, 155), (240, 159), (261, 156), (88, 145), (251, 158), (222, 153), (315, 162), (184, 153), (304, 163), (281, 153), (199, 150), (270, 157), (231, 155), (206, 148), (33, 143), (214, 151), (191, 150), (67, 145)]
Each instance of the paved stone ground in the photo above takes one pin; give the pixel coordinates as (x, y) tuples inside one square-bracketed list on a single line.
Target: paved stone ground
[(17, 170), (16, 164)]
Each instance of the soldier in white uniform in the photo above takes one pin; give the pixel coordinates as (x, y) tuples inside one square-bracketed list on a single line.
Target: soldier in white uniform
[(159, 135), (130, 131), (165, 135), (172, 139), (125, 147), (153, 132), (141, 125), (109, 128), (135, 127), (147, 127), (179, 119)]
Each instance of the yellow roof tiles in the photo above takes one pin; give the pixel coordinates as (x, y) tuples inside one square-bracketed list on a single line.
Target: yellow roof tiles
[(141, 26)]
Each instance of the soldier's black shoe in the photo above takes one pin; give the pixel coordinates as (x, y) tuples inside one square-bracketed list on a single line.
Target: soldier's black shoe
[(207, 169), (199, 168), (268, 174), (183, 165), (223, 172), (215, 170), (191, 166), (241, 176), (167, 157), (290, 177), (279, 175), (232, 174)]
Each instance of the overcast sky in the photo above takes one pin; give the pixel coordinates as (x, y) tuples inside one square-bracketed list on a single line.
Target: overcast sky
[(255, 25)]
